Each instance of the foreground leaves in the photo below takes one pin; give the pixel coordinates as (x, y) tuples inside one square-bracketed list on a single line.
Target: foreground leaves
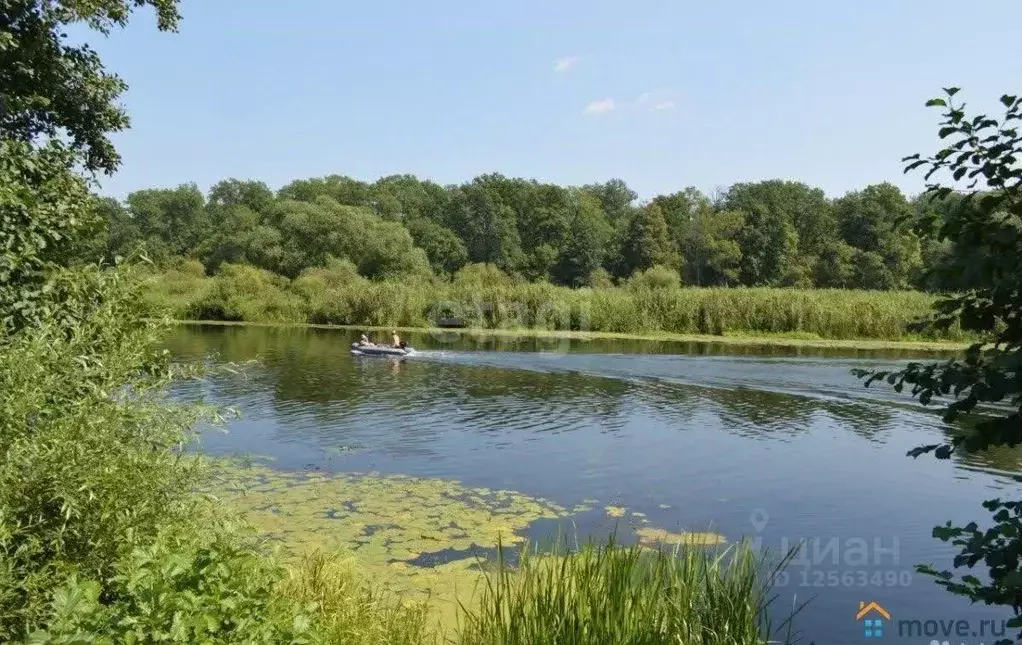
[(981, 158)]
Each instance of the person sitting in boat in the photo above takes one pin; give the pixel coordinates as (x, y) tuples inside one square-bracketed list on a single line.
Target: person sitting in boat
[(396, 339), (365, 342)]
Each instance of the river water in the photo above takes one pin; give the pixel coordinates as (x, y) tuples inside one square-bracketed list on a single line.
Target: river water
[(773, 444)]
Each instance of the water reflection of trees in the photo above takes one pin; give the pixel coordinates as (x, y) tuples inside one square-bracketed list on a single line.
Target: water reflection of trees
[(417, 399)]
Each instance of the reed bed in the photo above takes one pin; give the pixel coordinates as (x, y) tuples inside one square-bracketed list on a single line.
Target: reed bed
[(337, 296), (629, 595)]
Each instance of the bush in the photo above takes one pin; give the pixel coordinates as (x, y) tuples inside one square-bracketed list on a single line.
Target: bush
[(240, 292), (89, 469), (325, 291), (103, 537), (655, 277), (179, 590)]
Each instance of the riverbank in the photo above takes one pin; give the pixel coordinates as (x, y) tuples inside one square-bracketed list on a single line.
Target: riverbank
[(792, 341)]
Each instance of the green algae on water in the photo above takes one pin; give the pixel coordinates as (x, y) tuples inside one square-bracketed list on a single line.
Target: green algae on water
[(386, 522), (615, 511), (658, 537)]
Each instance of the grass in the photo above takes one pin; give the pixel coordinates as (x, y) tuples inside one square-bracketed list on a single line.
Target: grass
[(628, 595), (348, 610), (335, 297)]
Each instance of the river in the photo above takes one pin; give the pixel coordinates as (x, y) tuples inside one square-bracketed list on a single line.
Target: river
[(770, 443)]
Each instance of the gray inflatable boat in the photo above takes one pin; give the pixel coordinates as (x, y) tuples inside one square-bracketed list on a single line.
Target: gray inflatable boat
[(380, 350)]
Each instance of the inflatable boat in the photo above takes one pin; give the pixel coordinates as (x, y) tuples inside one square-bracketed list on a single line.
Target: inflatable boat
[(380, 350)]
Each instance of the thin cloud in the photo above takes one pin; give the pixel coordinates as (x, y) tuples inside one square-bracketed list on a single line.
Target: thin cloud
[(564, 64), (657, 100), (600, 107)]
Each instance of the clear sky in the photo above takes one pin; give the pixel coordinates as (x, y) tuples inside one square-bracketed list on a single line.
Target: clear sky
[(661, 94)]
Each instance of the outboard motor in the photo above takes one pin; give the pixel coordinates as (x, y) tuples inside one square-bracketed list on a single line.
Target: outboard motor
[(403, 345)]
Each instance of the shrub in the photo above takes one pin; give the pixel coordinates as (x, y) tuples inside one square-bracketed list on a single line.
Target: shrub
[(89, 469), (240, 292), (179, 590), (655, 277)]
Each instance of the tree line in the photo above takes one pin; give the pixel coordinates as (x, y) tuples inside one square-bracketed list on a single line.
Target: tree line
[(768, 233)]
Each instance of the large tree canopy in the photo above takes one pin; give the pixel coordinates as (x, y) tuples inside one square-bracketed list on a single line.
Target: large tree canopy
[(765, 233), (49, 86)]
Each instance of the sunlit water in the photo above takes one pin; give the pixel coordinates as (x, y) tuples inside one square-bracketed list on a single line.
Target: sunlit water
[(776, 447)]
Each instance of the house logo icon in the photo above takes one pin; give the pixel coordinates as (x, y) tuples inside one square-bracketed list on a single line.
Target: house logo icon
[(872, 616)]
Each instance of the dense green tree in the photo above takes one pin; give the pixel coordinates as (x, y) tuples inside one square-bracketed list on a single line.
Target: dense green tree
[(787, 226), (170, 221), (647, 241), (487, 226), (539, 231), (309, 234), (58, 107), (584, 251), (544, 225), (254, 195), (236, 230), (617, 199), (51, 86), (985, 152), (343, 190), (43, 207), (889, 257), (681, 210), (712, 249), (443, 247), (835, 268), (404, 197)]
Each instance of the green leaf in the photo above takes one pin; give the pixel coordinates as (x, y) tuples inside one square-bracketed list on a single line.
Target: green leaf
[(933, 102)]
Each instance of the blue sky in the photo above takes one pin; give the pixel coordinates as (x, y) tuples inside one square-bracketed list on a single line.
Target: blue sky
[(661, 94)]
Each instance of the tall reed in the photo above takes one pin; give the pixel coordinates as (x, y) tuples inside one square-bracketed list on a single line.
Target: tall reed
[(627, 595), (337, 295)]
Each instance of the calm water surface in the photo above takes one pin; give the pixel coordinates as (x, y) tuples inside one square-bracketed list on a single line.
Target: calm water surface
[(765, 443)]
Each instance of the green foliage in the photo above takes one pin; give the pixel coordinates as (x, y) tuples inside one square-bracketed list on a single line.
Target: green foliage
[(655, 277), (647, 241), (600, 279), (612, 594), (767, 233), (585, 250), (179, 589), (443, 247), (325, 291), (87, 467), (985, 153), (49, 87), (487, 297), (228, 193), (786, 224), (888, 256), (712, 249), (166, 222), (240, 292), (44, 209)]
